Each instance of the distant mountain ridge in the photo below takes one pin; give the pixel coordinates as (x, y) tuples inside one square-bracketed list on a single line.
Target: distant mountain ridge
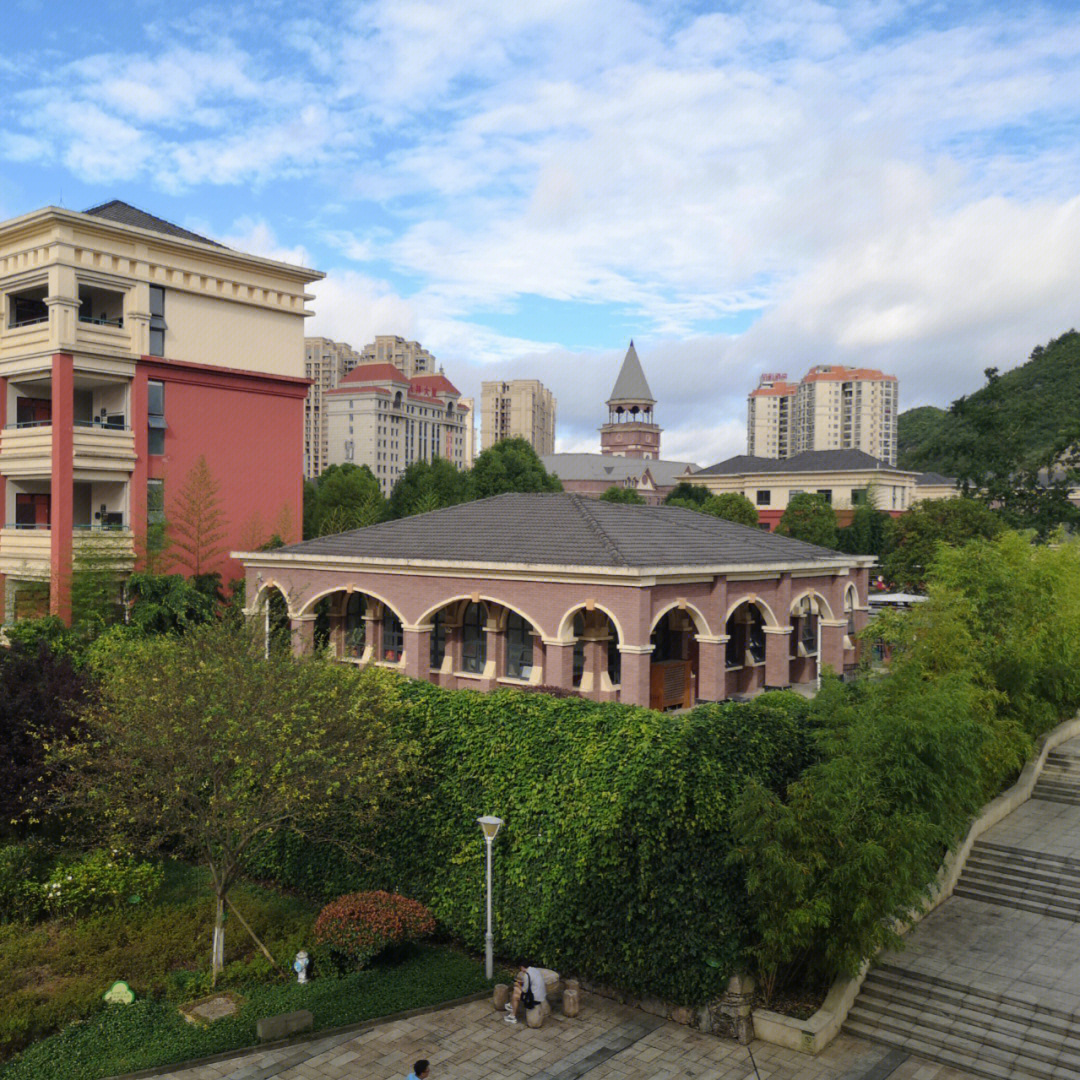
[(1042, 399)]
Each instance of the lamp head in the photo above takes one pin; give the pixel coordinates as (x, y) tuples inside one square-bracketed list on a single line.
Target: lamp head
[(490, 826)]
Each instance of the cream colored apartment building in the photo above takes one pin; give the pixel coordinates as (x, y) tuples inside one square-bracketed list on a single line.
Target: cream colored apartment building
[(409, 357), (131, 349), (832, 408), (380, 418), (326, 363), (518, 409)]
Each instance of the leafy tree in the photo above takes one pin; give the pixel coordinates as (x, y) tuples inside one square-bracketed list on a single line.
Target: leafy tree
[(683, 493), (200, 743), (197, 524), (917, 534), (810, 518), (425, 486), (731, 506), (870, 532), (169, 603), (344, 497), (510, 465), (618, 494), (41, 695)]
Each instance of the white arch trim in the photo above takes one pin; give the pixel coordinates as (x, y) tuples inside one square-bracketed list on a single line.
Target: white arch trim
[(260, 597), (701, 624), (824, 607), (851, 594), (752, 598), (566, 624), (425, 619), (310, 604)]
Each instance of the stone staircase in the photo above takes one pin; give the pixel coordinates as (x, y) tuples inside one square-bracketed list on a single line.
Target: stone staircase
[(1060, 779), (984, 1034), (1020, 878)]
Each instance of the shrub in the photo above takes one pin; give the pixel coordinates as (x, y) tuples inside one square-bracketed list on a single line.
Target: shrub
[(98, 880), (359, 926), (22, 868)]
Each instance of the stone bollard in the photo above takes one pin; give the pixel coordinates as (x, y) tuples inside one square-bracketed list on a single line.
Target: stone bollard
[(732, 1015), (534, 1017), (500, 996), (571, 1001)]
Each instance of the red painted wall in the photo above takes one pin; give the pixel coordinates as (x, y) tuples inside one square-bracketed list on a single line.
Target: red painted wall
[(250, 429)]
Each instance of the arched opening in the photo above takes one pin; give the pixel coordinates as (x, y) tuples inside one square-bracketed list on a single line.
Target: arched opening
[(361, 629), (674, 661), (438, 641), (354, 628), (519, 647), (277, 626), (392, 647), (597, 662), (745, 650), (804, 641)]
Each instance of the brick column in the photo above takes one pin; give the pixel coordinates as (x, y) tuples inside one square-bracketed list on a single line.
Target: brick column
[(777, 657), (303, 634), (636, 667), (495, 648), (712, 669), (417, 642), (594, 664), (559, 664), (832, 645), (62, 489)]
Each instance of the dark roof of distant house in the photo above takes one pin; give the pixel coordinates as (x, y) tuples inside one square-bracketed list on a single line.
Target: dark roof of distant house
[(564, 530), (807, 461), (631, 384), (614, 468), (125, 214), (933, 478), (380, 372)]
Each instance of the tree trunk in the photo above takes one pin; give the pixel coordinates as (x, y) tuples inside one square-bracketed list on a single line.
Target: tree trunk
[(217, 961)]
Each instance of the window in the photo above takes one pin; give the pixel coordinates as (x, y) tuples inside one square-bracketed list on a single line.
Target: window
[(746, 637), (438, 640), (825, 493), (519, 647), (27, 307), (473, 639), (764, 498), (858, 496), (614, 657), (157, 320), (155, 410), (391, 637), (579, 649), (155, 515), (355, 626)]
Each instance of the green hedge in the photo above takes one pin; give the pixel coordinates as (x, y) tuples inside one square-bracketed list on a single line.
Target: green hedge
[(612, 860)]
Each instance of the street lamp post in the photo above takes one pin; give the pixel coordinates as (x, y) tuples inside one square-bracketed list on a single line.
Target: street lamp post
[(490, 827)]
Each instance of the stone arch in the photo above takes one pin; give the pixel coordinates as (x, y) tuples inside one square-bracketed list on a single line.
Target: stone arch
[(824, 607), (309, 604), (701, 624), (566, 623), (752, 598), (261, 594), (851, 596), (489, 601)]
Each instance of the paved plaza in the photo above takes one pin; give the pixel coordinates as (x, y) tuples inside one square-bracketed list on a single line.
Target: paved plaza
[(606, 1042)]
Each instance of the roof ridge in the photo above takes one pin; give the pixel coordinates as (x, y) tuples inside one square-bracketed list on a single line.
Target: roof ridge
[(578, 502)]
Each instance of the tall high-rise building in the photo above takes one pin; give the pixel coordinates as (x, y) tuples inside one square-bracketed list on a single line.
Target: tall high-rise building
[(381, 418), (519, 409), (409, 357), (831, 408), (326, 363), (631, 430), (132, 350), (469, 404)]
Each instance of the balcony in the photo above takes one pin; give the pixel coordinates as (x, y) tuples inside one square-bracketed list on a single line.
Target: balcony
[(104, 445), (26, 449), (25, 551)]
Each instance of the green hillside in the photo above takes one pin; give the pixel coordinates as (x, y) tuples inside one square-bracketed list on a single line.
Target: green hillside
[(1040, 402)]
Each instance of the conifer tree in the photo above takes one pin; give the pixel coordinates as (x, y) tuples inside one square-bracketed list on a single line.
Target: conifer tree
[(197, 524)]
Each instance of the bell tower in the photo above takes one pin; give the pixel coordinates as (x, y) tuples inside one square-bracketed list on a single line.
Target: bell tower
[(630, 430)]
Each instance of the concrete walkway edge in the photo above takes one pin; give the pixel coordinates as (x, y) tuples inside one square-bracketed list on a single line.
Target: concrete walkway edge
[(813, 1035)]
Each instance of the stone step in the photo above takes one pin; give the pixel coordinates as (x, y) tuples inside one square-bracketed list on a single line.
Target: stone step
[(934, 1051), (1012, 885), (1058, 786), (1060, 770), (1048, 796), (1035, 907), (1028, 854), (1051, 873), (1056, 1024), (1061, 755), (1005, 1030)]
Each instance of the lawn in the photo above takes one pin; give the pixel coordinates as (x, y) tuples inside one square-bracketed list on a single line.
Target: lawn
[(52, 976)]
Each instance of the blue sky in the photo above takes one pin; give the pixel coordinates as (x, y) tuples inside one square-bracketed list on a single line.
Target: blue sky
[(524, 187)]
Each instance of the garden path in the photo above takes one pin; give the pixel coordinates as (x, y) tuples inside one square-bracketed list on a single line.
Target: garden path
[(606, 1042)]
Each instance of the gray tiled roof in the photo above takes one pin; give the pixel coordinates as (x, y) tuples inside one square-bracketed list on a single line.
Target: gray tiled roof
[(125, 214), (631, 385), (807, 461), (613, 468), (933, 478), (563, 530)]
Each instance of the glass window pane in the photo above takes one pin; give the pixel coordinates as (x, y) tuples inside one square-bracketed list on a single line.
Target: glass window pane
[(156, 442), (155, 398)]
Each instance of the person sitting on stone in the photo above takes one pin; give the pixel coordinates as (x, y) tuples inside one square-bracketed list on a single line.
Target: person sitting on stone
[(530, 990)]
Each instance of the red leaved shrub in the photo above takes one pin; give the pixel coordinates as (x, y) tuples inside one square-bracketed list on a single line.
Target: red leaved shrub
[(360, 925)]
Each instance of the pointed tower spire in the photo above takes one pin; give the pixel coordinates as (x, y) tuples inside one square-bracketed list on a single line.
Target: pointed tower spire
[(630, 430)]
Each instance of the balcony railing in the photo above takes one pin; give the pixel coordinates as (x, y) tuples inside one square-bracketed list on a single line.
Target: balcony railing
[(23, 525), (100, 320)]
